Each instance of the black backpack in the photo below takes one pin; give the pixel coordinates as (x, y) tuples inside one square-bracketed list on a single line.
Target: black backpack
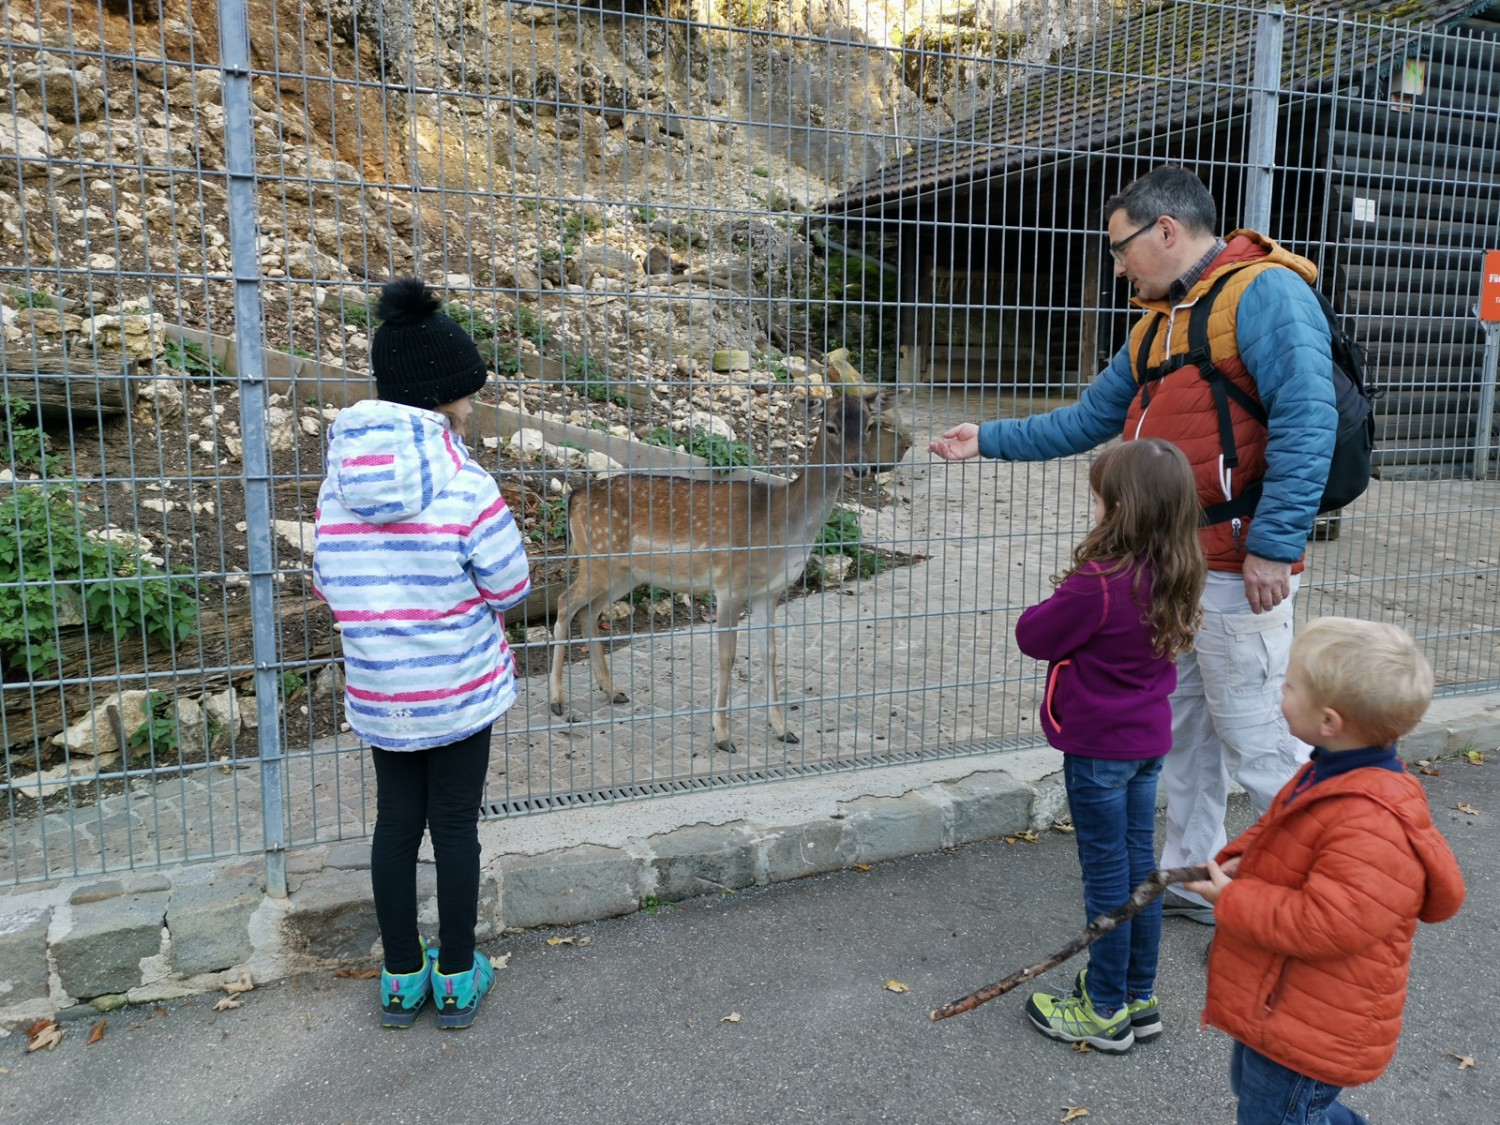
[(1348, 472)]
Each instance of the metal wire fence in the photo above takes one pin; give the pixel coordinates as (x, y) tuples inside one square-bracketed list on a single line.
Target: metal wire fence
[(676, 233)]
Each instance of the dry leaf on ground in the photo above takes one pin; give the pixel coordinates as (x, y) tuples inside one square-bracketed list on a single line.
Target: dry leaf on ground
[(860, 866), (1465, 1062), (359, 974), (45, 1039), (1028, 837), (1466, 808), (1476, 757), (895, 986), (578, 942), (1073, 1113), (732, 1017), (96, 1033), (243, 984), (39, 1026), (499, 961), (226, 1004)]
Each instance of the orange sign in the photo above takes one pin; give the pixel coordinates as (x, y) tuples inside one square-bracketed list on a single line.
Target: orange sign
[(1489, 288)]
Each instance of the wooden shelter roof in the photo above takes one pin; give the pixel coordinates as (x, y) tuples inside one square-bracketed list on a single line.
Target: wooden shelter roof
[(1168, 68)]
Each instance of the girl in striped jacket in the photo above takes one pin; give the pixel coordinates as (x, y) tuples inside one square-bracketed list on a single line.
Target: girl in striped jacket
[(418, 557)]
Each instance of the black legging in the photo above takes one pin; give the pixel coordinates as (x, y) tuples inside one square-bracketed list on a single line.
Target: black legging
[(439, 789)]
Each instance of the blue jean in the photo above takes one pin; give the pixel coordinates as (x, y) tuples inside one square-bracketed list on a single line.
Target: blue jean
[(1272, 1094), (1114, 821)]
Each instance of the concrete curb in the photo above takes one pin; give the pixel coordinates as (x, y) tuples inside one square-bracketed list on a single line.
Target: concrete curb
[(77, 947)]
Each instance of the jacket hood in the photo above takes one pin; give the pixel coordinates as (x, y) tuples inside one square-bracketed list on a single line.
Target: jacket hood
[(1393, 791), (387, 461)]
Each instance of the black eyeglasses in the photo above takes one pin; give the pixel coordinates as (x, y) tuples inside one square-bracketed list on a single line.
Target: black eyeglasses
[(1117, 249)]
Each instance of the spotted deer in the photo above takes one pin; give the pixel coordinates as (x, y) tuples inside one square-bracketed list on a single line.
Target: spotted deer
[(744, 541)]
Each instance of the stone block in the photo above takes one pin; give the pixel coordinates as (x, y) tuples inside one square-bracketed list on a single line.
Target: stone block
[(565, 887), (702, 859), (210, 925), (102, 950), (883, 828), (23, 956), (987, 805), (795, 850), (332, 916)]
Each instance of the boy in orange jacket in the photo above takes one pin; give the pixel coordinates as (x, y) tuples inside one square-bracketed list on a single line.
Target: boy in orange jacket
[(1317, 903)]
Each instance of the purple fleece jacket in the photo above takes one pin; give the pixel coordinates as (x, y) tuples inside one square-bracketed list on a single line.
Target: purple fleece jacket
[(1107, 690)]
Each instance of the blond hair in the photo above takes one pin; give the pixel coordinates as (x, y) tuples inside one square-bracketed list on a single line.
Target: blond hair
[(1372, 674)]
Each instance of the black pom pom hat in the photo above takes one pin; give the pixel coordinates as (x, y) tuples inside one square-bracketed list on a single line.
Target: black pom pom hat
[(421, 357)]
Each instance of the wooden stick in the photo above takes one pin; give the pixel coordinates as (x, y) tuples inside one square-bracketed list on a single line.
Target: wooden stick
[(1139, 899)]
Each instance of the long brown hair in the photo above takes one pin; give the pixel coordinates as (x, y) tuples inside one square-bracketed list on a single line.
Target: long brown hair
[(1151, 518)]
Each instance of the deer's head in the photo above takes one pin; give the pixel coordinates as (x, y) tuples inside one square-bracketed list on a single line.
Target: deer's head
[(861, 431)]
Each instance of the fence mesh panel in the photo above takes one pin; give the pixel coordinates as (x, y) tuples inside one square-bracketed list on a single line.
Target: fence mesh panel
[(677, 232)]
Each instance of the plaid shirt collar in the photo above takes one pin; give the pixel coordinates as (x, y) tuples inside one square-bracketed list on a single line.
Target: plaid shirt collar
[(1180, 287)]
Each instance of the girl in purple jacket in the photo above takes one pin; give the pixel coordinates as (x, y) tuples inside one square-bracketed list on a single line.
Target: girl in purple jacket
[(1111, 633)]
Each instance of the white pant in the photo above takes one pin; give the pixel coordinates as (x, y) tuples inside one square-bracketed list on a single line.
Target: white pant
[(1227, 721)]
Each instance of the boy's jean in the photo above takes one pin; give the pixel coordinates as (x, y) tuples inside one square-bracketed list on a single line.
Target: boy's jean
[(1114, 822), (1271, 1094)]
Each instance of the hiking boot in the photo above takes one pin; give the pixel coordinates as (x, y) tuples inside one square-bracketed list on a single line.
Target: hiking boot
[(1073, 1020), (458, 996), (402, 995), (1145, 1015), (1175, 906)]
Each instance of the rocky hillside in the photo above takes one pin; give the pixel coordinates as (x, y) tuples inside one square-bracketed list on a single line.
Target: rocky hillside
[(609, 199)]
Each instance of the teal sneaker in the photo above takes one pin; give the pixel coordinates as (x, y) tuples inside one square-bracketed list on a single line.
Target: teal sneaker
[(1145, 1015), (403, 995), (1072, 1019), (458, 995)]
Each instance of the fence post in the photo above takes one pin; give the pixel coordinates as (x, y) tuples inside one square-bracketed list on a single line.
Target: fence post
[(239, 159), (1260, 160)]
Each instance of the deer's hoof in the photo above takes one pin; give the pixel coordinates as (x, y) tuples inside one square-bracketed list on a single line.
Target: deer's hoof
[(620, 697), (788, 736), (726, 746), (557, 709)]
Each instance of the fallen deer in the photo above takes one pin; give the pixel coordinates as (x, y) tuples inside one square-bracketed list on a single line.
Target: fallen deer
[(744, 541)]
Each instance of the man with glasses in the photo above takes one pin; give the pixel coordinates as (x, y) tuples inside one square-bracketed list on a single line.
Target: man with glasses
[(1267, 336)]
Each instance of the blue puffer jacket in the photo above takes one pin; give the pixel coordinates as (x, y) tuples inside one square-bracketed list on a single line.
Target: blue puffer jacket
[(1283, 340)]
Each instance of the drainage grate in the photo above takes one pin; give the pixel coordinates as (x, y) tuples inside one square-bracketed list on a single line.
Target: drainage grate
[(495, 810)]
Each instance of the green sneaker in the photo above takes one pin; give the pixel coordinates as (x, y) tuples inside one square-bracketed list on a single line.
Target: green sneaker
[(403, 995), (1145, 1015), (1072, 1019), (458, 995)]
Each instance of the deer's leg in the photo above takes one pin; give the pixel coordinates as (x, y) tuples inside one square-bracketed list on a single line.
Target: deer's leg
[(727, 624), (597, 605), (566, 611), (761, 612)]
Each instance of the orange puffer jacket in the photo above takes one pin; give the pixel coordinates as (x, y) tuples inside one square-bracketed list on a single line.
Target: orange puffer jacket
[(1310, 956)]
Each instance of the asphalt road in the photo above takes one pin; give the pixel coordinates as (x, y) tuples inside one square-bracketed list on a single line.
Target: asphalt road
[(770, 1005)]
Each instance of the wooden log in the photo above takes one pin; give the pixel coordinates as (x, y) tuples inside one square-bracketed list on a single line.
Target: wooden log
[(81, 386)]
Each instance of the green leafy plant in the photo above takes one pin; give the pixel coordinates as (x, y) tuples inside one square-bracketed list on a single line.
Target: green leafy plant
[(720, 452), (291, 684), (48, 562), (472, 321), (840, 536), (644, 214), (159, 731), (26, 445), (550, 520), (530, 326), (184, 355), (591, 379), (356, 312), (31, 299)]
